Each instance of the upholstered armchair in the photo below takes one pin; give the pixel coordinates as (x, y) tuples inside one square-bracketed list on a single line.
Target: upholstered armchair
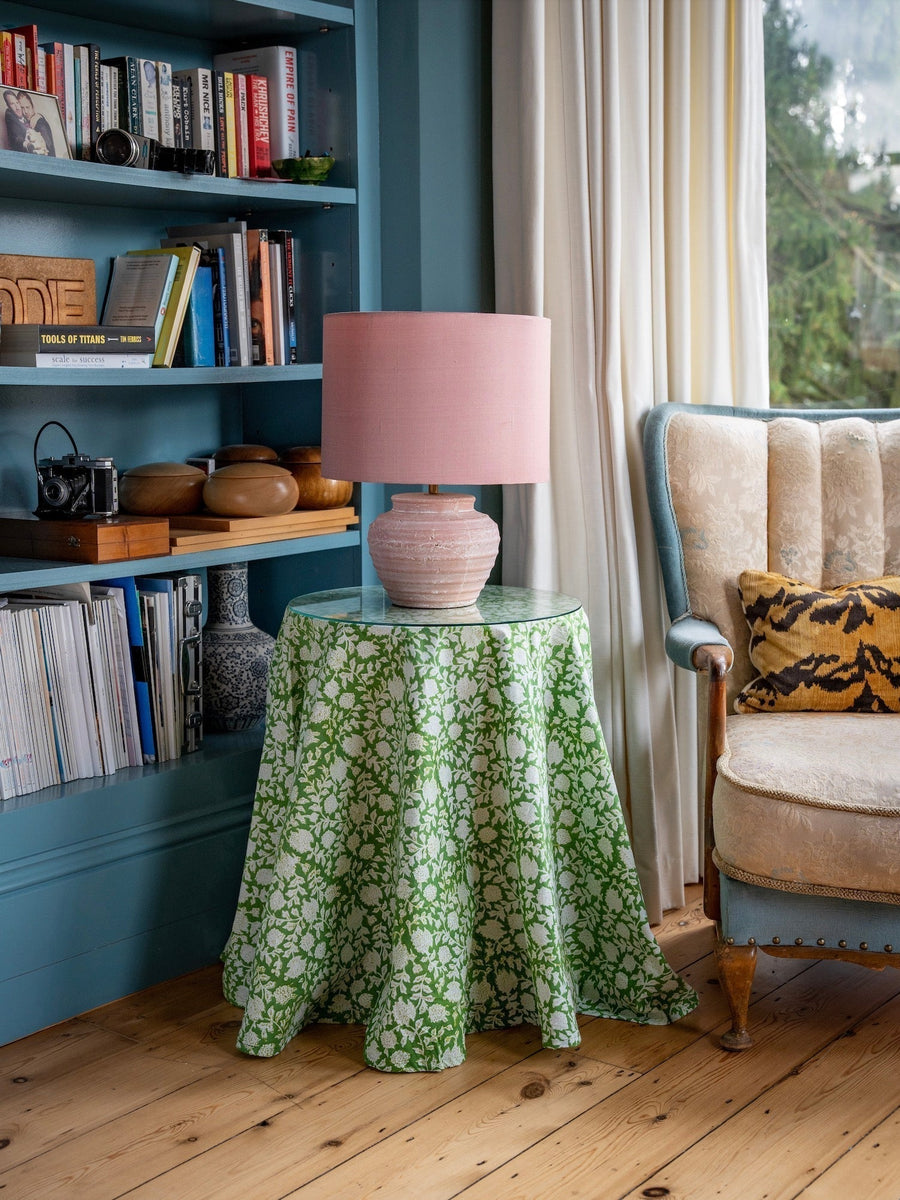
[(779, 539)]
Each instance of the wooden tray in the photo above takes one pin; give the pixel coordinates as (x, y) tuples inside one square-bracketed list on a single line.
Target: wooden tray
[(188, 541), (298, 519), (105, 539)]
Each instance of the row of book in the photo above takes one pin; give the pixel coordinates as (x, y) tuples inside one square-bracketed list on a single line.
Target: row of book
[(255, 290), (244, 107), (211, 295), (96, 677)]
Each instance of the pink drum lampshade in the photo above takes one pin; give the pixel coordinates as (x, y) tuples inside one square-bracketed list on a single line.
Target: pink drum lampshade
[(432, 398)]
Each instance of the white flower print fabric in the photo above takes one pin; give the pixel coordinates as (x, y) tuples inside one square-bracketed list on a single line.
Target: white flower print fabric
[(437, 846)]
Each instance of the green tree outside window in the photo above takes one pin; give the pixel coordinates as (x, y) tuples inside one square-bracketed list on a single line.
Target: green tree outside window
[(833, 199)]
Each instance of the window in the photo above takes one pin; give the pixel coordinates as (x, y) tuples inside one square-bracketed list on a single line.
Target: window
[(833, 201)]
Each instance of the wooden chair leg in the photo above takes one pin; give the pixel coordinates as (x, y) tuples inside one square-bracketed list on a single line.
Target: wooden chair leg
[(736, 965)]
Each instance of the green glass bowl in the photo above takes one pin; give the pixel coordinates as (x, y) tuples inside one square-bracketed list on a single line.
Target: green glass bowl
[(311, 169)]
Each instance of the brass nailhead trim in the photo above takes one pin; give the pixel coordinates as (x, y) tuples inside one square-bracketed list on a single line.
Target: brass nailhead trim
[(798, 941), (889, 949), (776, 941), (820, 941), (863, 945), (842, 944), (751, 941), (729, 941)]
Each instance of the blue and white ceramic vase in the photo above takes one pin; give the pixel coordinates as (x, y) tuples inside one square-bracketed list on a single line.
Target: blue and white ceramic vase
[(236, 655)]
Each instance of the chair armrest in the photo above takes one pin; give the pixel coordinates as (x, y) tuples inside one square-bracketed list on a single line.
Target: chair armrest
[(698, 646), (688, 635), (716, 661), (717, 658)]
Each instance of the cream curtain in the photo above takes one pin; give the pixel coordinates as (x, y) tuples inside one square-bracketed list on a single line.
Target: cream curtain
[(629, 207)]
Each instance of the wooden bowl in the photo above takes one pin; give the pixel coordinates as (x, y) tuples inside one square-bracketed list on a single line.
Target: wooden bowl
[(305, 464), (161, 489), (244, 452), (250, 489)]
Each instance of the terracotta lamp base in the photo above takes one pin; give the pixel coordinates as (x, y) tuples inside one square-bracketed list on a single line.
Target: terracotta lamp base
[(433, 550)]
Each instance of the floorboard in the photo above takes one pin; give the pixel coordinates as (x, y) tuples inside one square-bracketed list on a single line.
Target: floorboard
[(149, 1099)]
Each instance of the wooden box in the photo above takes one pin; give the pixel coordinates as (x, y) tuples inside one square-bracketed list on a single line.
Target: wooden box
[(101, 540)]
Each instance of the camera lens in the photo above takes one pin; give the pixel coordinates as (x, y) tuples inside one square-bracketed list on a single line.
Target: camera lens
[(118, 148), (55, 492)]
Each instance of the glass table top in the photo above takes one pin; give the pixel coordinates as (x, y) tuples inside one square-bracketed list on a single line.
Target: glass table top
[(495, 606)]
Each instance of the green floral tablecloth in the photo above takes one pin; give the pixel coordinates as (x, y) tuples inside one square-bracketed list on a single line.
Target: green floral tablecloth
[(437, 846)]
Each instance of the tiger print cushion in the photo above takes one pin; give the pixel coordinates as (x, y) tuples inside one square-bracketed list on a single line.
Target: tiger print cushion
[(825, 651)]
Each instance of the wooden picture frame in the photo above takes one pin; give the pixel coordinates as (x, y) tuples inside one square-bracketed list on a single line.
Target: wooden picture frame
[(31, 122)]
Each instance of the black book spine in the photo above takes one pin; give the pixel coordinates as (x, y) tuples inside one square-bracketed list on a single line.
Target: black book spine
[(187, 111), (219, 123), (285, 240), (129, 92), (96, 96), (78, 339), (177, 116)]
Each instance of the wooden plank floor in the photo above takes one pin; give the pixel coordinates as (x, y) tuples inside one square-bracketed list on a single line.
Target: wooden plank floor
[(147, 1098)]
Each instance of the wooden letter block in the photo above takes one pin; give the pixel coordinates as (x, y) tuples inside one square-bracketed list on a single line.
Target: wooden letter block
[(38, 290)]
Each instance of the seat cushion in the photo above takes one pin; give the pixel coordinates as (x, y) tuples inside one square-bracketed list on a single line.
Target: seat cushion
[(820, 650), (811, 801)]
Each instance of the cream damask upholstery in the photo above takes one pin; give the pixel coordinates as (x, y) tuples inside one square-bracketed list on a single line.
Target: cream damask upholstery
[(816, 501), (788, 802), (803, 809)]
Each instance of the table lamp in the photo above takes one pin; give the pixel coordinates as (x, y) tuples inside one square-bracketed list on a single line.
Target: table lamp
[(436, 398)]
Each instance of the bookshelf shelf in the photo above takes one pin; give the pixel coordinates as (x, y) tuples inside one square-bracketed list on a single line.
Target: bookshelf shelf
[(21, 573), (152, 377), (122, 788), (69, 181), (224, 20)]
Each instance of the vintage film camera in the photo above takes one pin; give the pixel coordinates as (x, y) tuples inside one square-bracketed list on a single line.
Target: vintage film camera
[(75, 485), (119, 148)]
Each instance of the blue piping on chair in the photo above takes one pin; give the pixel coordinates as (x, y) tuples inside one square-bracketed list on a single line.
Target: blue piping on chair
[(662, 511)]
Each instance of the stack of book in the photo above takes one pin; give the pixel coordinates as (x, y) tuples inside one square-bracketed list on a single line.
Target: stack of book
[(97, 677), (244, 107), (76, 346)]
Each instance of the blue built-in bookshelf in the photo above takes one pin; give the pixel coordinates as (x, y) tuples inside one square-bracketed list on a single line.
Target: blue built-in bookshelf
[(109, 885)]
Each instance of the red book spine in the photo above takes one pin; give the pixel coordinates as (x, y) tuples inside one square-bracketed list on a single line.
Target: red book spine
[(49, 72), (30, 35), (258, 124), (7, 58), (56, 74)]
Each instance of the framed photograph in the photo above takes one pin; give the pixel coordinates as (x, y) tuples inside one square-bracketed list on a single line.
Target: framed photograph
[(31, 122)]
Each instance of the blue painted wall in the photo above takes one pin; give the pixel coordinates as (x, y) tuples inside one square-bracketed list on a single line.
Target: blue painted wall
[(435, 155), (434, 100)]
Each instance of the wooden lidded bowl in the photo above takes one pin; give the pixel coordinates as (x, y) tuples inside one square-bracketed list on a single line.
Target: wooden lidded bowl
[(244, 452), (250, 489), (305, 464), (161, 489)]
